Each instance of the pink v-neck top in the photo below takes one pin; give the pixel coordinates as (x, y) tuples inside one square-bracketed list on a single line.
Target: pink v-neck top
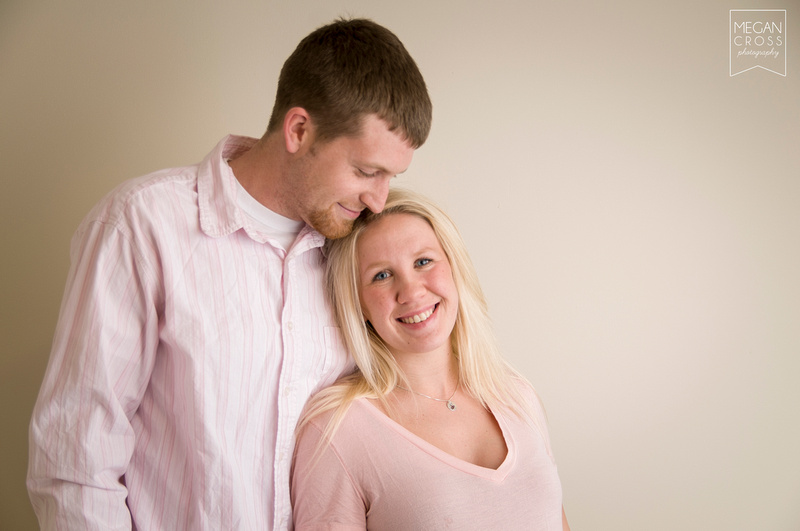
[(376, 474)]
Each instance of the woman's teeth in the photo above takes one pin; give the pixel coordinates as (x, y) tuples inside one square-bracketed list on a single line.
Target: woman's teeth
[(418, 318)]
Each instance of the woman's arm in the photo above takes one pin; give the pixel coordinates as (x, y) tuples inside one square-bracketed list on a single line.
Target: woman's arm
[(564, 522), (323, 493)]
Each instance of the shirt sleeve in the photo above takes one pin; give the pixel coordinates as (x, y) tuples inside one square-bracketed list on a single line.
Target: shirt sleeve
[(81, 439), (324, 495)]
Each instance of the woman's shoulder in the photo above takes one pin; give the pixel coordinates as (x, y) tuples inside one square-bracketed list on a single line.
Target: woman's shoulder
[(529, 400), (526, 390), (345, 419)]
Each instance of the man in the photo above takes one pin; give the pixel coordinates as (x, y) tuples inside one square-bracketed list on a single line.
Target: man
[(195, 324)]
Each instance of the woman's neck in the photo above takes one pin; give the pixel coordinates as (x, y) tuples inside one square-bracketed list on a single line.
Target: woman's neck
[(430, 374)]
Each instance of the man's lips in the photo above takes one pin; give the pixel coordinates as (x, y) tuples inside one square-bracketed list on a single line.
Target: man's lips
[(350, 212)]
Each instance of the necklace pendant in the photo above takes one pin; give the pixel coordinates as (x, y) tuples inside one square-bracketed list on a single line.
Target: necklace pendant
[(451, 405)]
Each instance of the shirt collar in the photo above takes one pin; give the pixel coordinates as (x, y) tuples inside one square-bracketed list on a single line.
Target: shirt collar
[(216, 192)]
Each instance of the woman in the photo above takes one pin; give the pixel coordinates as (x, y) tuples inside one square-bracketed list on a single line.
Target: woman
[(433, 430)]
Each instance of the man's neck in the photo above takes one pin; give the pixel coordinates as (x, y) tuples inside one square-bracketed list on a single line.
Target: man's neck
[(259, 170)]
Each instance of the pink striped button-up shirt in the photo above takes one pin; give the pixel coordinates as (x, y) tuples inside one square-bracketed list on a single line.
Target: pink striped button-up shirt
[(187, 345)]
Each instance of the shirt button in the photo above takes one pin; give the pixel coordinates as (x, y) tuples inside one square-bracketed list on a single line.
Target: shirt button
[(290, 325)]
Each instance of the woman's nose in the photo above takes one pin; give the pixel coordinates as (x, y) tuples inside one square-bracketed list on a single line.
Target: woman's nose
[(409, 289)]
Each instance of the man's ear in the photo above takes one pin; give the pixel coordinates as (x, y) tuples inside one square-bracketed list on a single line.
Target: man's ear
[(297, 129)]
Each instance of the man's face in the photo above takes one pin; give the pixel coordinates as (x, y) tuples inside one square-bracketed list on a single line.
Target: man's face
[(334, 181)]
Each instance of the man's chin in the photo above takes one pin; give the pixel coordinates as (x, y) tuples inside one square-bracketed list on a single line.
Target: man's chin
[(332, 229)]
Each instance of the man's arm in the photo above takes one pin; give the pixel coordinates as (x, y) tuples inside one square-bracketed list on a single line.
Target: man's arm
[(81, 439)]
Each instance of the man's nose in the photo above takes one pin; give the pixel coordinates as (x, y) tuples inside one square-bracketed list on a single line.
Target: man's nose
[(375, 198)]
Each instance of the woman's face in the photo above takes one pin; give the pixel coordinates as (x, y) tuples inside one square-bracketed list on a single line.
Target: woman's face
[(406, 285)]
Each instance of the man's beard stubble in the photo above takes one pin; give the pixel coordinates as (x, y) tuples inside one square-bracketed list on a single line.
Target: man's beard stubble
[(326, 223)]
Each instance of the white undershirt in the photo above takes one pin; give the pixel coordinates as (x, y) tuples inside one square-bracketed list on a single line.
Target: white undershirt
[(282, 229)]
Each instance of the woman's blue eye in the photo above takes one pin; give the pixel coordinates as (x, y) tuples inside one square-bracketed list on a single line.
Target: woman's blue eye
[(383, 275), (423, 262)]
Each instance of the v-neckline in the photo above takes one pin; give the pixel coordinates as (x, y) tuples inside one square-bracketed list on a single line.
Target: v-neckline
[(497, 475)]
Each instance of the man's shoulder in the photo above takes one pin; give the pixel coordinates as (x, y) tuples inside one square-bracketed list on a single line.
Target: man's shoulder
[(161, 190)]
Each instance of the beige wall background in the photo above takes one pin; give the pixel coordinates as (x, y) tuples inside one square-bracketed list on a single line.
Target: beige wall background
[(633, 211)]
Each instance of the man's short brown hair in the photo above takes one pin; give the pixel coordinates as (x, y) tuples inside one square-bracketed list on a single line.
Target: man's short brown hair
[(348, 69)]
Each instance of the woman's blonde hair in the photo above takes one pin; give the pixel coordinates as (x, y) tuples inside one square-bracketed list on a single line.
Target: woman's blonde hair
[(482, 370)]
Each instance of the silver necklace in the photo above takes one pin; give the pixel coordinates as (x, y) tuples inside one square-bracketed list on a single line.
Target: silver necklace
[(450, 404)]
